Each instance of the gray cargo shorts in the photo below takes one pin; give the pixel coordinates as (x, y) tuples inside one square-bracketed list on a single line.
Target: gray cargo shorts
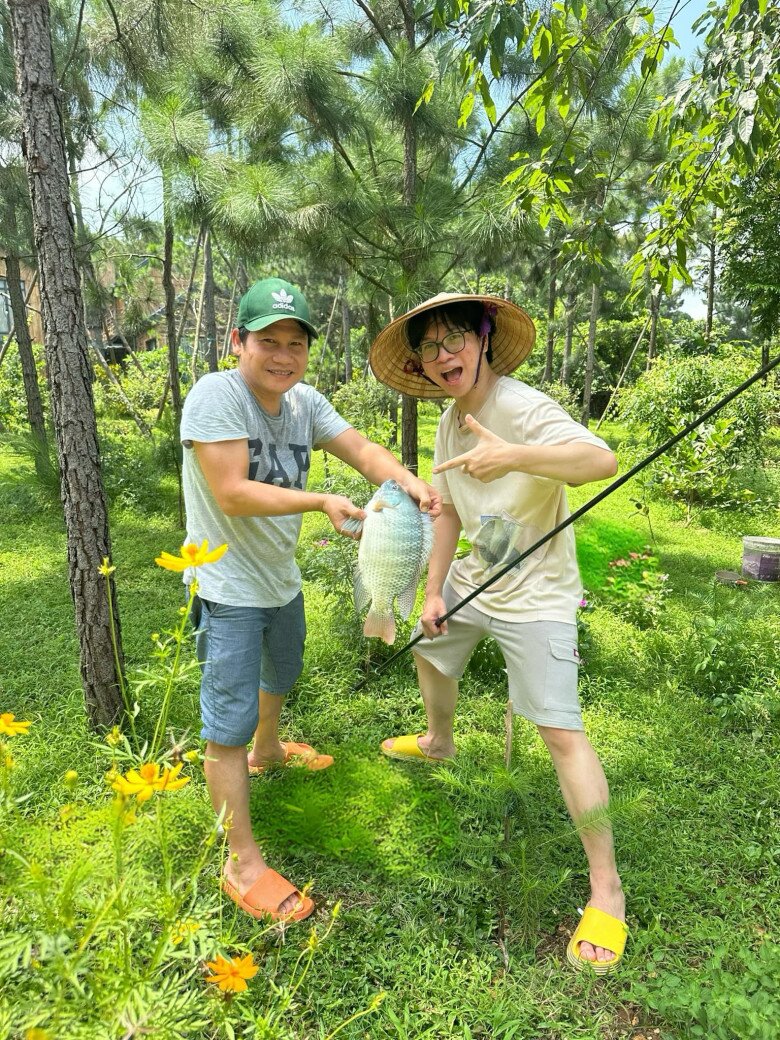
[(541, 660)]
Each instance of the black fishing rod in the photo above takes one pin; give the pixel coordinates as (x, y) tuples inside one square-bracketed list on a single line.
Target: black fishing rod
[(694, 424)]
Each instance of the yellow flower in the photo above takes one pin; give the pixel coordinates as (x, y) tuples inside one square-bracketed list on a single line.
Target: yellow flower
[(141, 783), (191, 756), (10, 727), (37, 1034), (105, 568), (183, 930), (231, 975), (70, 779), (169, 781), (191, 556), (8, 761), (113, 738)]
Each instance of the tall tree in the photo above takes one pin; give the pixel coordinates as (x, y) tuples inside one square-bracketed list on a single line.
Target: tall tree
[(73, 414), (15, 241)]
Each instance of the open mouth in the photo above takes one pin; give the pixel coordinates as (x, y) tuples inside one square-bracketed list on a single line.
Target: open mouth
[(452, 375), (283, 372)]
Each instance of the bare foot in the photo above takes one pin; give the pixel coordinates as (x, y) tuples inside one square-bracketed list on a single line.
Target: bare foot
[(243, 875), (611, 900), (260, 757)]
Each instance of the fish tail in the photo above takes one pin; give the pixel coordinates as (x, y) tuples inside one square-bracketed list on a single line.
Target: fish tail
[(380, 625)]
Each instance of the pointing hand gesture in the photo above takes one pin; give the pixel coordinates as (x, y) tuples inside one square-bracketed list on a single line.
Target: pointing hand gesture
[(490, 459)]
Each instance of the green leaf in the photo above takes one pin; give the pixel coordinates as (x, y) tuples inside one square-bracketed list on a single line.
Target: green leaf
[(487, 100), (734, 9), (426, 95), (466, 108)]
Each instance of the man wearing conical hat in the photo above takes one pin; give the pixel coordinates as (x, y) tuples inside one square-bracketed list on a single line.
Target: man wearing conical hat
[(504, 454)]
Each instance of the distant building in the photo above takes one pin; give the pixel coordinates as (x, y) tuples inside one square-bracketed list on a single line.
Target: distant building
[(33, 304)]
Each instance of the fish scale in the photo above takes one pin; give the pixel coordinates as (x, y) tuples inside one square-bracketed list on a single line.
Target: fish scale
[(394, 550)]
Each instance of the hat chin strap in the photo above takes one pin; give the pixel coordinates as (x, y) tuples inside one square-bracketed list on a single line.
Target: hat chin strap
[(482, 352)]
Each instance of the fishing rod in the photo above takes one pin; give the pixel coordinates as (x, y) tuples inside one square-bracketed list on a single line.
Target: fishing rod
[(694, 424)]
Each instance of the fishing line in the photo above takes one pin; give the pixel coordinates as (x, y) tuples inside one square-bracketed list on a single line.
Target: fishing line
[(694, 424)]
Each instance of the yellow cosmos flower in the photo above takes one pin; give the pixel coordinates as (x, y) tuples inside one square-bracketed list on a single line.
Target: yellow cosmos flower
[(70, 779), (183, 929), (192, 555), (37, 1034), (114, 737), (142, 783), (11, 727), (105, 568), (230, 975)]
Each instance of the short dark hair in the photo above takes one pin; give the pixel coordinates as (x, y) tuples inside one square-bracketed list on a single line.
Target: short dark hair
[(464, 316), (243, 332)]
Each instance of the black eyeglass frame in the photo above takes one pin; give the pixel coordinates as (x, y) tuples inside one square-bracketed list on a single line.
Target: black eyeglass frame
[(439, 343)]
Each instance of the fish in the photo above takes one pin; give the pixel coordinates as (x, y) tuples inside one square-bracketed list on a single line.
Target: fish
[(394, 549)]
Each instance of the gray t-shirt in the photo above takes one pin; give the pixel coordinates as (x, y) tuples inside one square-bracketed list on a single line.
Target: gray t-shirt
[(259, 568)]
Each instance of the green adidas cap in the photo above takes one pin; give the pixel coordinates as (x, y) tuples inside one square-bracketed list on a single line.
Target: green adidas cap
[(270, 300)]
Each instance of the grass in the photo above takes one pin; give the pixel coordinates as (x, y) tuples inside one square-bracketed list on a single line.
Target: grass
[(463, 930)]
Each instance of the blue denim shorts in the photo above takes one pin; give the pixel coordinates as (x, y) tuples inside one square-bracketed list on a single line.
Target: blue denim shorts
[(241, 650)]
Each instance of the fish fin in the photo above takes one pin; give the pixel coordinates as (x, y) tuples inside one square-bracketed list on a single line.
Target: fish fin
[(351, 526), (406, 599), (380, 625), (361, 593)]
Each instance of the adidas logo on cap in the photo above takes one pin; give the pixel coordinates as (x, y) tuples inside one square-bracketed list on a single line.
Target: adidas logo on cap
[(284, 301)]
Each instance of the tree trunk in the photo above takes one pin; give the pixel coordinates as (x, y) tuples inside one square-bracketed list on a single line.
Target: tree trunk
[(571, 303), (93, 309), (590, 361), (12, 332), (552, 293), (409, 450), (710, 291), (170, 308), (346, 335), (32, 393), (209, 306), (655, 311), (73, 413)]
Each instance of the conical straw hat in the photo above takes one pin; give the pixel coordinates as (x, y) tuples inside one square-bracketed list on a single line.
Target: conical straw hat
[(393, 361)]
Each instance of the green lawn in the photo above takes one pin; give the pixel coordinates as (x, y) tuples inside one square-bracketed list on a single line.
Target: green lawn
[(463, 929)]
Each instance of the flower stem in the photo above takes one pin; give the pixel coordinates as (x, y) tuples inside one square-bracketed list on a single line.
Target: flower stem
[(178, 636), (120, 676)]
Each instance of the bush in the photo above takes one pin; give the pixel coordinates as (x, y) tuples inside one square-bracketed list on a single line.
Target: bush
[(676, 390), (366, 403), (712, 465)]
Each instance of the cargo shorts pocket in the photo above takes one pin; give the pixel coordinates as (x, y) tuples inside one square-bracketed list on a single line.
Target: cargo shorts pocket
[(560, 687)]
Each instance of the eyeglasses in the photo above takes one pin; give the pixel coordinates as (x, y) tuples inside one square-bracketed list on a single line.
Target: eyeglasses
[(453, 343)]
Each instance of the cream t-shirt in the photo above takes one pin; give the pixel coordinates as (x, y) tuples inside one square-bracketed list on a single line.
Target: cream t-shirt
[(508, 515)]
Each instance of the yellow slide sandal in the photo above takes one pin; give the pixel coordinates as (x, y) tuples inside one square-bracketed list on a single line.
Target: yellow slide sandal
[(599, 929)]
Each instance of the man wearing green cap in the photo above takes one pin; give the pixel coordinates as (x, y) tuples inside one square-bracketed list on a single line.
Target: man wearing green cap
[(248, 434)]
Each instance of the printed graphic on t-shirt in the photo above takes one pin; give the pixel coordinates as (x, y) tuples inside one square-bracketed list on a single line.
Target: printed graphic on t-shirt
[(502, 538), (266, 466)]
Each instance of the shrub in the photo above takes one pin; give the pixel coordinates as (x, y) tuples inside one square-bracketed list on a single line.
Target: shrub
[(366, 403), (712, 464), (636, 588), (676, 390)]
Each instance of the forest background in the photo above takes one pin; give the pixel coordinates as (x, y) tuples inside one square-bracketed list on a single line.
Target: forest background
[(156, 158)]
